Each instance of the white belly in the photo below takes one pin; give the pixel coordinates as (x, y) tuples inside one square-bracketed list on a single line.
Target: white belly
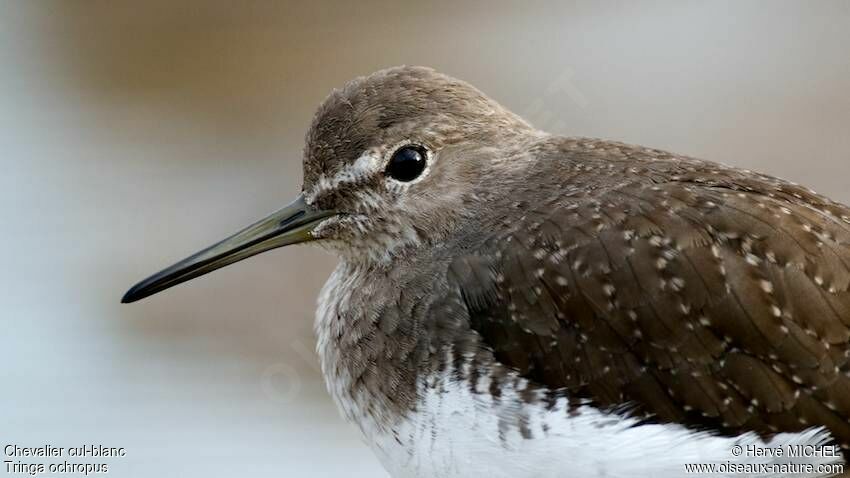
[(457, 433)]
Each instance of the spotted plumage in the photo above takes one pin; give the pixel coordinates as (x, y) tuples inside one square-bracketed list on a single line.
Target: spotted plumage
[(700, 294), (533, 305)]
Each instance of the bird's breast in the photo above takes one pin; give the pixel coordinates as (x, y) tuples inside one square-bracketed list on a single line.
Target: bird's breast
[(366, 366), (456, 419)]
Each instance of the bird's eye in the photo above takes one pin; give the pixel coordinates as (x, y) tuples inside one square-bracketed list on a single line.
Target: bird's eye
[(407, 163)]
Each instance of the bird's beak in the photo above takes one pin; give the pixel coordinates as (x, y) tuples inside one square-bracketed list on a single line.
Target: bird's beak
[(290, 225)]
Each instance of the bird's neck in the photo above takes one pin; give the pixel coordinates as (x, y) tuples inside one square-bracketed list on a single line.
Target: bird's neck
[(366, 350), (381, 334)]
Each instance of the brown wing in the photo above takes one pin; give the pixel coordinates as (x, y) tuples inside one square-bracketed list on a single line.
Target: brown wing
[(714, 298)]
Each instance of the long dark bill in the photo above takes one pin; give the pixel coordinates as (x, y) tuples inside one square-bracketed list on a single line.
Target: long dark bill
[(290, 225)]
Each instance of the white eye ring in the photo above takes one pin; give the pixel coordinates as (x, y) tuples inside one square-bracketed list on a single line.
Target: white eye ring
[(407, 162)]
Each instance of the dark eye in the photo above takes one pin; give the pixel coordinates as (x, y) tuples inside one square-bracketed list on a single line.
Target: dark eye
[(407, 163)]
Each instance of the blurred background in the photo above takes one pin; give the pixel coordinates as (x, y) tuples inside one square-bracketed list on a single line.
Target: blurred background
[(134, 133)]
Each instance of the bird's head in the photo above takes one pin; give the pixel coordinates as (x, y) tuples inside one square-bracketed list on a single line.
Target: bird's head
[(391, 161), (396, 155)]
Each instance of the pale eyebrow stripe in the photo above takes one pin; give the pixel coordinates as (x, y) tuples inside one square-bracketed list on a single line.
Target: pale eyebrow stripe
[(366, 164)]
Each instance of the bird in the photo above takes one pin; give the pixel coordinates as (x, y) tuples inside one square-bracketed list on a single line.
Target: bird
[(514, 303)]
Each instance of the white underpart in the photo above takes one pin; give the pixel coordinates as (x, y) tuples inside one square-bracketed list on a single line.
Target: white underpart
[(456, 433)]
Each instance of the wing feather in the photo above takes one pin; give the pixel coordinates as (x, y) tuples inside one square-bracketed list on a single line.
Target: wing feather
[(711, 296)]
